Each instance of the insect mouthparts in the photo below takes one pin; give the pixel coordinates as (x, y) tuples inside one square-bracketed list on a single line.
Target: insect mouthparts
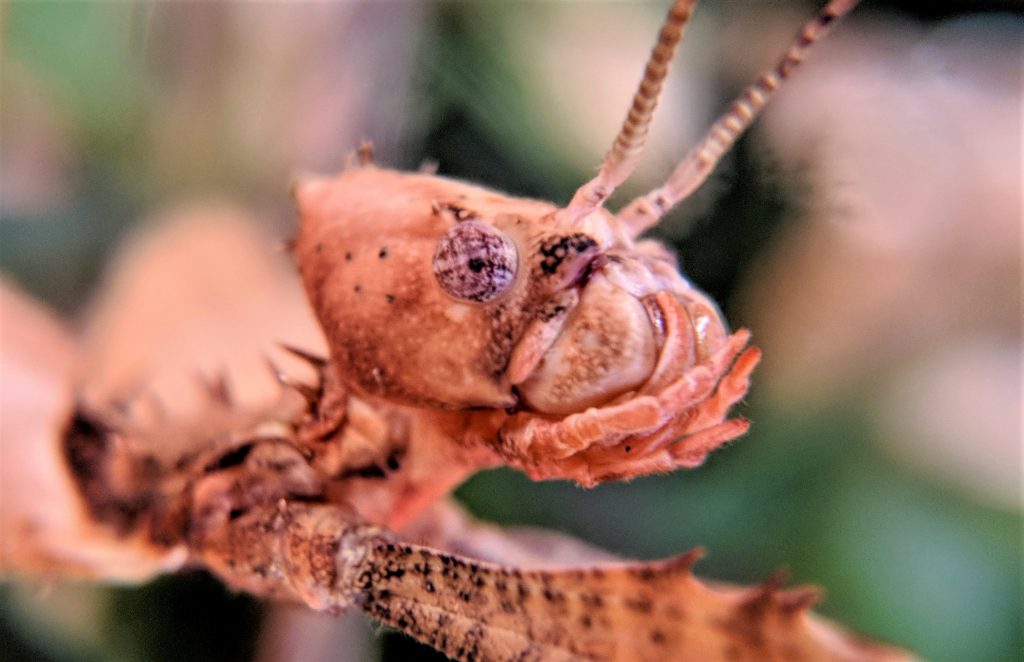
[(590, 268)]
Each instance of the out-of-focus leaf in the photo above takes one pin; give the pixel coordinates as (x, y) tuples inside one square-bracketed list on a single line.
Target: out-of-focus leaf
[(905, 560)]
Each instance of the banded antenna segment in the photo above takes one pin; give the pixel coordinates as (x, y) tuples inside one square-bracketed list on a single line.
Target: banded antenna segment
[(622, 158), (645, 211)]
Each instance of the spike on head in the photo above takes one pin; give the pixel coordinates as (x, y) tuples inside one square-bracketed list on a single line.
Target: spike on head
[(309, 393), (364, 155)]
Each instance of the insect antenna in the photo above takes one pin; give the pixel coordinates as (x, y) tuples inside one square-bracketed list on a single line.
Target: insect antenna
[(645, 211), (621, 159)]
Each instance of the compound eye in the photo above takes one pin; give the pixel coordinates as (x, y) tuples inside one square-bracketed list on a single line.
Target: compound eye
[(475, 262)]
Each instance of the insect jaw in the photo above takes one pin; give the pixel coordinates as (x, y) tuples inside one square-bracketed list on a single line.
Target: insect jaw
[(709, 329), (586, 354)]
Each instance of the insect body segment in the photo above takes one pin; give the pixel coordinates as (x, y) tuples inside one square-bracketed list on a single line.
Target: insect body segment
[(474, 610)]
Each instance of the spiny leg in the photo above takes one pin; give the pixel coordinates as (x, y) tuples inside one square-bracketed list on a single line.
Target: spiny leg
[(622, 158), (657, 610), (695, 385), (320, 554), (645, 211), (657, 454), (564, 448), (703, 429), (540, 438), (683, 443), (731, 388)]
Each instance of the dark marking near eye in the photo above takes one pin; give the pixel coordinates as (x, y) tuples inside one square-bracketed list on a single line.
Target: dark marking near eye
[(393, 573), (368, 471), (553, 312), (475, 262), (556, 250), (230, 459), (516, 406)]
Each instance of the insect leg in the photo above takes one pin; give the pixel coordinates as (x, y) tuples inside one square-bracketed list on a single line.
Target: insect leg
[(658, 610), (658, 454)]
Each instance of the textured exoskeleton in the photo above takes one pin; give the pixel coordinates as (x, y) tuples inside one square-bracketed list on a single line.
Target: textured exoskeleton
[(572, 350), (550, 337), (465, 329)]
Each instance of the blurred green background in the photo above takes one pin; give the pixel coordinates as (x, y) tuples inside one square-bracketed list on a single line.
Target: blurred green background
[(112, 110)]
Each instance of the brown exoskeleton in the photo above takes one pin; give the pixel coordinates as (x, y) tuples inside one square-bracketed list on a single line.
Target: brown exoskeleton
[(464, 329), (548, 338)]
